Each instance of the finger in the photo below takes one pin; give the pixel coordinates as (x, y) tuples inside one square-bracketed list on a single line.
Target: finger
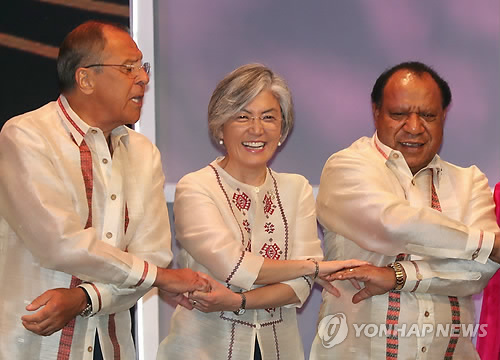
[(329, 287), (37, 328), (38, 317), (40, 301), (355, 283), (361, 295), (355, 263), (199, 296), (184, 302)]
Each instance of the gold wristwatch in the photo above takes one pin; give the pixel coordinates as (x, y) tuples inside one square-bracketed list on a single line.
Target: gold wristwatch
[(400, 277)]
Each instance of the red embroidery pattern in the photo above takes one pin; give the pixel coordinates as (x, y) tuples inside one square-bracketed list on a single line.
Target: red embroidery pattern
[(269, 227), (392, 320), (228, 202), (246, 225), (454, 303), (242, 201), (113, 338), (268, 205), (86, 167), (282, 211), (271, 251), (276, 342), (68, 331), (455, 320)]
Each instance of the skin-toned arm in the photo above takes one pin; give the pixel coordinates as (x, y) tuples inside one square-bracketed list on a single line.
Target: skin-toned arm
[(273, 271)]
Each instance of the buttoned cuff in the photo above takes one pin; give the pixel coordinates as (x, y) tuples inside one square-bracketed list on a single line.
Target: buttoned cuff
[(418, 275), (480, 244)]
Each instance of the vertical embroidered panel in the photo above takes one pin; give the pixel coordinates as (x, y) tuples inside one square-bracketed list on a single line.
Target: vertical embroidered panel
[(392, 320), (454, 303)]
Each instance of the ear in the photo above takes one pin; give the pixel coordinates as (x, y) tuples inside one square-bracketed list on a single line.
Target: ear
[(375, 112), (84, 79)]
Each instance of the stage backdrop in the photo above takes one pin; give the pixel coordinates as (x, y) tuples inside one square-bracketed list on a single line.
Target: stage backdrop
[(330, 52)]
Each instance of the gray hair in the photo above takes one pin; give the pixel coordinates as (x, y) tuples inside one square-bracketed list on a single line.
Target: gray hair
[(239, 88)]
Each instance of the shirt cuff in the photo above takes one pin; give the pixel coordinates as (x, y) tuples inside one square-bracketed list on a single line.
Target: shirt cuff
[(480, 244), (142, 275), (246, 270), (95, 297), (301, 288), (418, 275)]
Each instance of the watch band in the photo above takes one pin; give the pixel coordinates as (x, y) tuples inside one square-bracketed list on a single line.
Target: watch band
[(400, 278), (87, 311), (243, 305)]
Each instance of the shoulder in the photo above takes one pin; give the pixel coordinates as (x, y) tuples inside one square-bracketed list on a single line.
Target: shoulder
[(463, 174), (361, 149), (39, 120), (202, 177), (293, 183)]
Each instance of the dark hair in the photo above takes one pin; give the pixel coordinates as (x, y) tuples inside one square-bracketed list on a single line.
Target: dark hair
[(81, 47), (418, 68)]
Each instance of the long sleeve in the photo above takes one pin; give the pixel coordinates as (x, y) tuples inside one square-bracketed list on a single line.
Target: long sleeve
[(306, 243), (455, 276), (205, 234), (362, 199), (150, 241), (43, 215)]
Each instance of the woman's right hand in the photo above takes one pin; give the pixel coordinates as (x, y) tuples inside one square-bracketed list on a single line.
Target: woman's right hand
[(329, 267)]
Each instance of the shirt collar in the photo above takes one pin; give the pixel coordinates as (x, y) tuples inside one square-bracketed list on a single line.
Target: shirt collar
[(79, 128), (396, 157)]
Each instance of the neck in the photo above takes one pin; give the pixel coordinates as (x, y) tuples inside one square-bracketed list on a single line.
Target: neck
[(86, 112), (254, 176)]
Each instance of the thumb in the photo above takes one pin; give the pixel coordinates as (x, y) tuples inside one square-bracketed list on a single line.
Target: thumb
[(39, 301)]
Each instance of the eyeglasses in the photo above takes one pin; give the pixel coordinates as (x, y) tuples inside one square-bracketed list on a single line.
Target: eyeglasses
[(266, 119), (131, 70)]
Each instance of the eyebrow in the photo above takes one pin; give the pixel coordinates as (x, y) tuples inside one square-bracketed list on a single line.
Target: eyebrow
[(263, 112)]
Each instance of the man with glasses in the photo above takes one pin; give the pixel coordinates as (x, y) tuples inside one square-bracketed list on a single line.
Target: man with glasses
[(84, 229)]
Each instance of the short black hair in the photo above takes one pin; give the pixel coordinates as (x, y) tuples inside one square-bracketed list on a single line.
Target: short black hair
[(418, 68), (81, 47)]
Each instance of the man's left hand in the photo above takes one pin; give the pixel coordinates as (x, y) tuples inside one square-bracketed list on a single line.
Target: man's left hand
[(58, 307)]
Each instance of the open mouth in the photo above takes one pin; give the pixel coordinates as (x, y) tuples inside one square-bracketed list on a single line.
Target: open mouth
[(137, 99), (412, 144), (254, 145)]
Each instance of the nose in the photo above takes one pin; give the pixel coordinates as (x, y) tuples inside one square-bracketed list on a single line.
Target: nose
[(256, 125), (142, 77), (413, 124)]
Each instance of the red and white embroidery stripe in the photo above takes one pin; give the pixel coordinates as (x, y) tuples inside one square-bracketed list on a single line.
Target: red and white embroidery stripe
[(454, 303), (392, 320)]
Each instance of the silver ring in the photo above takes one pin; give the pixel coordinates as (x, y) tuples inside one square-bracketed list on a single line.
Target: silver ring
[(194, 302)]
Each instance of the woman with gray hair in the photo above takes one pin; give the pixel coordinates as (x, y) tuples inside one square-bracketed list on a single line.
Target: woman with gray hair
[(248, 227)]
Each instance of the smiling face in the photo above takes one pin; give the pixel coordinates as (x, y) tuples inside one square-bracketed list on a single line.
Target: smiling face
[(411, 118), (251, 138), (118, 95)]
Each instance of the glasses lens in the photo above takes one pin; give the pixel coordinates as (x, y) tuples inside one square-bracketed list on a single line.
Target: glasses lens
[(147, 67)]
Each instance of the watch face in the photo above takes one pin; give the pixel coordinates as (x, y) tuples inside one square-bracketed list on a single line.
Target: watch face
[(239, 311)]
